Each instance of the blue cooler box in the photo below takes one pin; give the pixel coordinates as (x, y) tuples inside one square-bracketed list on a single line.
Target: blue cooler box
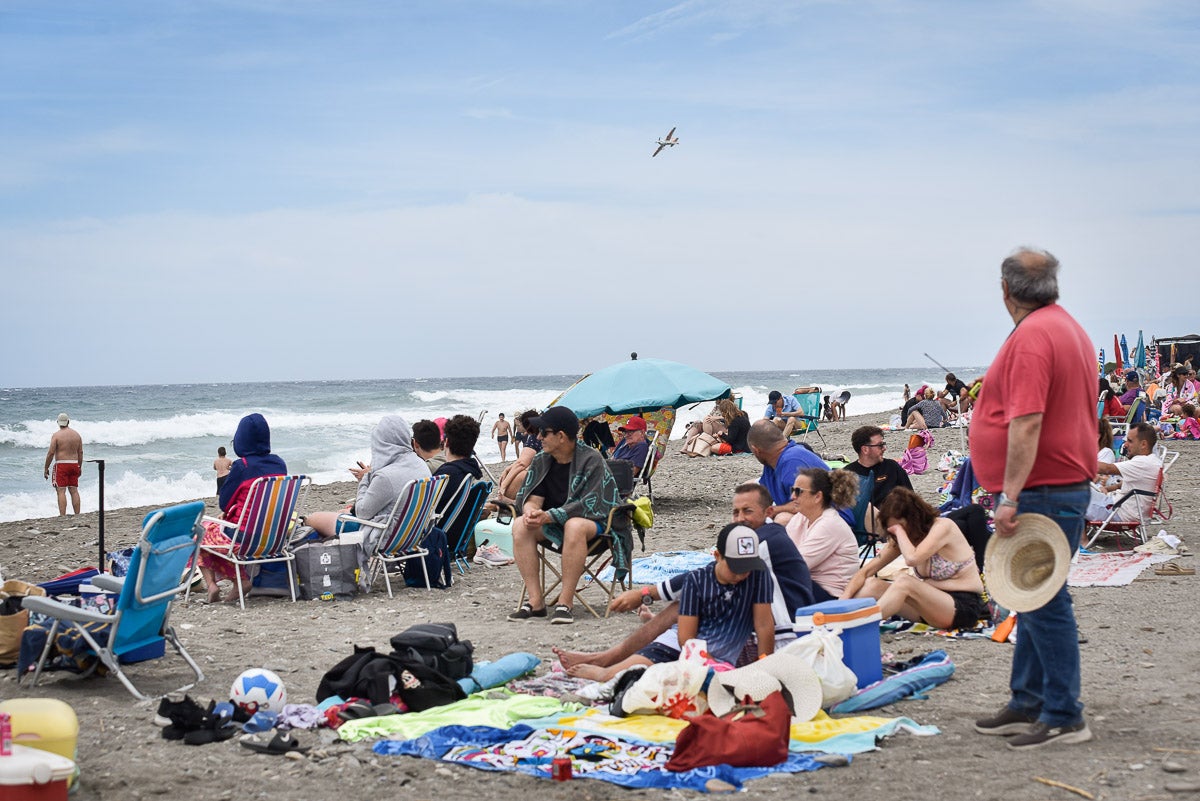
[(857, 623)]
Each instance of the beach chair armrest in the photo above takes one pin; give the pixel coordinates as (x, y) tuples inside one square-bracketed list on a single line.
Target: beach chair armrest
[(63, 611), (348, 518), (109, 583), (219, 522)]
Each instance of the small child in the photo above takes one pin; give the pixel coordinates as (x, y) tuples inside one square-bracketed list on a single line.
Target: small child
[(1189, 426)]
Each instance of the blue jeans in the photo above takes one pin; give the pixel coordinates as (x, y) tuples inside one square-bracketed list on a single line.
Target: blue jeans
[(1045, 667)]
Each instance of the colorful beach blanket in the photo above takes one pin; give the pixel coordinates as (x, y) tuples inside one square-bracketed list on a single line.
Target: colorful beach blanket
[(496, 707), (662, 566), (524, 749), (822, 734), (1111, 569)]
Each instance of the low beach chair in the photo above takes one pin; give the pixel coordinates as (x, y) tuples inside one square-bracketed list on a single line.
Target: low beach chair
[(399, 538), (260, 534), (139, 625), (1157, 511), (459, 523), (809, 399)]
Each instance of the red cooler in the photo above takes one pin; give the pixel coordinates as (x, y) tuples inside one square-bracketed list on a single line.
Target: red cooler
[(34, 775)]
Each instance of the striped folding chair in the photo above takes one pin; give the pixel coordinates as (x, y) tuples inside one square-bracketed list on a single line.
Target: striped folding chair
[(400, 537), (261, 532)]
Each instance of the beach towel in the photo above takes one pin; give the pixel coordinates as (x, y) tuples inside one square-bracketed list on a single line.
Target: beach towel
[(662, 566), (523, 749), (823, 734), (934, 668), (496, 708), (1111, 569), (915, 460)]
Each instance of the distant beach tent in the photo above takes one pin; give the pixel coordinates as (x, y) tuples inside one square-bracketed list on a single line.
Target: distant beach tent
[(1180, 349), (639, 385)]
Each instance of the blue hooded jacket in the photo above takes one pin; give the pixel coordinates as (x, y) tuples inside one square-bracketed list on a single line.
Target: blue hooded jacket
[(252, 443)]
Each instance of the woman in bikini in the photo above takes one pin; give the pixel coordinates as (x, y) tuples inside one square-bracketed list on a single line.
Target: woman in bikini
[(945, 589)]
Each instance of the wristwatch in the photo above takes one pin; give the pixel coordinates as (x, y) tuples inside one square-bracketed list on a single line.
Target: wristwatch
[(1004, 500), (646, 599)]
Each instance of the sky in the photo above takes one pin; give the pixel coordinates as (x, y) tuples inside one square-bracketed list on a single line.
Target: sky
[(233, 190)]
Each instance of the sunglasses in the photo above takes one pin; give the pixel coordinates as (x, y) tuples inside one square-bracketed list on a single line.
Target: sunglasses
[(881, 445), (798, 491)]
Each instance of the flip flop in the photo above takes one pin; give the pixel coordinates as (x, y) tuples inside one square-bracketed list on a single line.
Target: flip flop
[(281, 743), (357, 710), (1173, 569)]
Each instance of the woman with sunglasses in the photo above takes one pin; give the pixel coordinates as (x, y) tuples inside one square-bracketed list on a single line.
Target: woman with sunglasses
[(824, 539), (944, 588)]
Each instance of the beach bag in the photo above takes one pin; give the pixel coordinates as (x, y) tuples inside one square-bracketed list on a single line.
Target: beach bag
[(436, 645), (377, 677), (643, 512), (822, 649), (437, 563), (14, 619), (752, 735), (331, 570)]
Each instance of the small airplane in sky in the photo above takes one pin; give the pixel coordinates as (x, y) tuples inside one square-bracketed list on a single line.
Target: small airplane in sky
[(670, 140)]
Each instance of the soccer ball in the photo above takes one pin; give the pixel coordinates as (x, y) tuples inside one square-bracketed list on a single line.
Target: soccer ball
[(258, 690)]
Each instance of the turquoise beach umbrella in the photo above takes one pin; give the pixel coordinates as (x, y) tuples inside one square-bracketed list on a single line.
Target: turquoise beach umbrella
[(1139, 357), (1125, 351), (641, 385)]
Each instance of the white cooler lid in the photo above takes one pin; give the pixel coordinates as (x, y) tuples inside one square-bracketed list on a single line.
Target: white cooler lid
[(33, 766)]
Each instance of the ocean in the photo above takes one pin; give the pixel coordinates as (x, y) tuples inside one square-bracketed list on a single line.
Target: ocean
[(158, 442)]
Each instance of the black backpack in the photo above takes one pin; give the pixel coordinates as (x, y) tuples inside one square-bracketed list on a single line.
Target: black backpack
[(437, 646), (374, 676)]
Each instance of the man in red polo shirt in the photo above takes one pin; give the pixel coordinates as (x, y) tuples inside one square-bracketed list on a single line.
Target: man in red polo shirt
[(1033, 444)]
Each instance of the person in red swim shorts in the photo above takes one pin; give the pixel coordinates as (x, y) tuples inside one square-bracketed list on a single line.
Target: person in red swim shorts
[(66, 452)]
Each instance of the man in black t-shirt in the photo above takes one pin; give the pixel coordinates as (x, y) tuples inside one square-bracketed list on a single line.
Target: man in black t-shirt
[(955, 397), (885, 474)]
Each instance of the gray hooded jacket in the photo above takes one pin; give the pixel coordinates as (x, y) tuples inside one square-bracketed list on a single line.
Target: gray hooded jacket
[(393, 465)]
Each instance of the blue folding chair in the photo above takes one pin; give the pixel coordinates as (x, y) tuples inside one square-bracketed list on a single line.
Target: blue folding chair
[(165, 552), (810, 421), (459, 522)]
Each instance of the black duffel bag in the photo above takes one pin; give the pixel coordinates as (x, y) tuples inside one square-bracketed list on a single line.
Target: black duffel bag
[(375, 676), (437, 646)]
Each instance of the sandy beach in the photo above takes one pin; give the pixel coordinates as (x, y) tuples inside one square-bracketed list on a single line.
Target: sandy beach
[(1139, 658)]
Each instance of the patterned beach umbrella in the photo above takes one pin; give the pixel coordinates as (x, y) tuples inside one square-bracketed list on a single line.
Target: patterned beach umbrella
[(641, 385), (1100, 362)]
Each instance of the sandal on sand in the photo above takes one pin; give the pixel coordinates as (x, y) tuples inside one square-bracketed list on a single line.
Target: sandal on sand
[(281, 743), (1173, 569)]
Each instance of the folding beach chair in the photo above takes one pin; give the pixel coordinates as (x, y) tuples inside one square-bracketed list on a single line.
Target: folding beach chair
[(460, 517), (613, 545), (399, 538), (260, 534), (809, 399), (867, 541), (139, 624), (1157, 510)]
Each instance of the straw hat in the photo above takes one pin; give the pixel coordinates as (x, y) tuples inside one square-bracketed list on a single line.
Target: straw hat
[(780, 670), (1024, 571)]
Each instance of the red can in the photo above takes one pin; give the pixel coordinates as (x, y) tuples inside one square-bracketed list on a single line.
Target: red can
[(560, 769), (6, 738)]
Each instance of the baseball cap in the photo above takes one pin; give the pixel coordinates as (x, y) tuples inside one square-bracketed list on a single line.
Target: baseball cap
[(739, 545), (774, 395), (635, 423), (63, 420), (1132, 376), (557, 418)]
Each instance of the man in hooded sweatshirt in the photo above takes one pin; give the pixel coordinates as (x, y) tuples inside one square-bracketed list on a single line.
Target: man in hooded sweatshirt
[(252, 444), (393, 465)]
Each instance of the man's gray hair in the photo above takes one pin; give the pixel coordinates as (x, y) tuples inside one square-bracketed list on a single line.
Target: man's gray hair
[(1031, 275), (765, 434)]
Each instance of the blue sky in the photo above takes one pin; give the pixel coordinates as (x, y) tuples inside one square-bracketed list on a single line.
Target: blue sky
[(383, 189)]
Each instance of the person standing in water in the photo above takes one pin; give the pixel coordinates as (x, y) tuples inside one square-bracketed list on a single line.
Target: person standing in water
[(501, 431), (222, 464), (66, 451)]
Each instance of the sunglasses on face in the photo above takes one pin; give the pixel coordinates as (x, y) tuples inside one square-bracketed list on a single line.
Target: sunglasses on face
[(881, 445), (798, 491)]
